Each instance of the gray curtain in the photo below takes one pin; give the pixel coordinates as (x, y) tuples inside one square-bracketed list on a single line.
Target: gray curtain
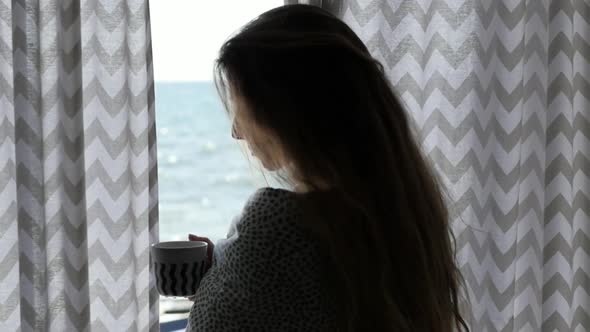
[(78, 194), (500, 91)]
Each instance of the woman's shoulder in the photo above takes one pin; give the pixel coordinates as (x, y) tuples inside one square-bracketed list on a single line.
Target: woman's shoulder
[(269, 206), (268, 195), (272, 217)]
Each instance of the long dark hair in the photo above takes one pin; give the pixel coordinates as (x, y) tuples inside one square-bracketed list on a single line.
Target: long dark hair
[(382, 221)]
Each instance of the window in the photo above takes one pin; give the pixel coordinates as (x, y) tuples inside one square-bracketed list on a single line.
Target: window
[(204, 177)]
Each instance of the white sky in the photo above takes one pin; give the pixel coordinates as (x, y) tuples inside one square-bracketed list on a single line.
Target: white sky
[(186, 34)]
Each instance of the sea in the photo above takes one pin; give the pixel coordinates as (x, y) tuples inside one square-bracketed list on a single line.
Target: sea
[(204, 175)]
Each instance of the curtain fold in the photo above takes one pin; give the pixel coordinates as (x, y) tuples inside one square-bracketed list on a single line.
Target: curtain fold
[(78, 181), (500, 92)]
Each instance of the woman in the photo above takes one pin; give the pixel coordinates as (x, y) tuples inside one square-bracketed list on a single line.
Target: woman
[(362, 242)]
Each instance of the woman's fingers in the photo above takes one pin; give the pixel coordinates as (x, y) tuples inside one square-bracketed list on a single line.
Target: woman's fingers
[(193, 237), (210, 245)]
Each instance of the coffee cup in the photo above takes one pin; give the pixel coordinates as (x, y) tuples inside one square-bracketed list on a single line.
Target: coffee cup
[(179, 266)]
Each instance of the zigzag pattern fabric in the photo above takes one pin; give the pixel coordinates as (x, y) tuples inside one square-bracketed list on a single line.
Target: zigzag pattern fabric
[(78, 184), (500, 93)]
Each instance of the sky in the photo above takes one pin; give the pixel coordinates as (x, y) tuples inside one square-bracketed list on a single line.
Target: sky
[(186, 34)]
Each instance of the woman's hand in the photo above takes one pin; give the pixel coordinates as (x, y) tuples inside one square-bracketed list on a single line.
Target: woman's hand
[(210, 246)]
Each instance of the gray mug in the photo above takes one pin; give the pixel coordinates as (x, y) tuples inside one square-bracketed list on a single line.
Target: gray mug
[(179, 266)]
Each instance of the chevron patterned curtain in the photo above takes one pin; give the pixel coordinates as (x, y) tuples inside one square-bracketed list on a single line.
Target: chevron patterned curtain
[(500, 90), (78, 195)]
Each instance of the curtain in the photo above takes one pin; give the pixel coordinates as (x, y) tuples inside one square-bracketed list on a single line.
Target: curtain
[(500, 93), (78, 192)]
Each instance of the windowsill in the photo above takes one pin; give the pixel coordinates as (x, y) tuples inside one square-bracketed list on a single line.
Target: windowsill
[(172, 310), (173, 326)]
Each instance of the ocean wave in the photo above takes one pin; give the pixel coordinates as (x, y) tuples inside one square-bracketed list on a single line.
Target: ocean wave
[(209, 146)]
